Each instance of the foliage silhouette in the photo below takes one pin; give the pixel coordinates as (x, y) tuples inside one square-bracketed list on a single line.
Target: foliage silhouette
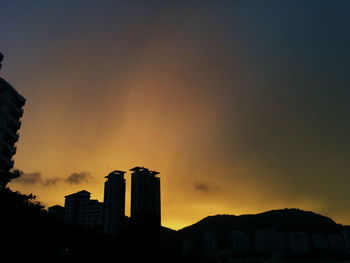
[(7, 176)]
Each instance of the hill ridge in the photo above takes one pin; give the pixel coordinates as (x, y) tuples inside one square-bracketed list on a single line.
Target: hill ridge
[(286, 219)]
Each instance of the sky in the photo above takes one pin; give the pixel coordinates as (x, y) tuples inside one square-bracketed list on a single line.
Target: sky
[(242, 106)]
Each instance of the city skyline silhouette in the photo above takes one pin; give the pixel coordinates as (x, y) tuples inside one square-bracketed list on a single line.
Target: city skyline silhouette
[(243, 106)]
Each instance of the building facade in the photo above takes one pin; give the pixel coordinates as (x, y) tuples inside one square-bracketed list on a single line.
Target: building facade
[(299, 242), (114, 203), (56, 210), (11, 111), (145, 219), (76, 208), (94, 214), (241, 242), (337, 241), (346, 235), (320, 241), (145, 195), (210, 245)]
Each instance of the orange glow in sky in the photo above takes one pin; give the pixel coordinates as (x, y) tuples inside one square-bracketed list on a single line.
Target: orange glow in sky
[(240, 108)]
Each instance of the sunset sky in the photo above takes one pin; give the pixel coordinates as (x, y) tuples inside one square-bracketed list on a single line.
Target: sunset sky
[(242, 106)]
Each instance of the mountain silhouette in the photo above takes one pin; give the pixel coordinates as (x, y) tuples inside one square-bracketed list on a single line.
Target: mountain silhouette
[(290, 220)]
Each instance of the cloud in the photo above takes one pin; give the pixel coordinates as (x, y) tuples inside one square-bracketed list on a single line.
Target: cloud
[(36, 178), (51, 181), (78, 178), (30, 178), (204, 187)]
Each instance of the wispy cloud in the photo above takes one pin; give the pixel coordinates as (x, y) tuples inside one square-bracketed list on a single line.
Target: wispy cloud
[(78, 178), (51, 181), (29, 178), (204, 187), (36, 178)]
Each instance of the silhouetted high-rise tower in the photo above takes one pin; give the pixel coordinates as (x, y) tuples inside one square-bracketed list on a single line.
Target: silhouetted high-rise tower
[(114, 203), (145, 203), (11, 111)]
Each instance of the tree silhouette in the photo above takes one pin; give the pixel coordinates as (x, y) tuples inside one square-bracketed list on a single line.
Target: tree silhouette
[(7, 176)]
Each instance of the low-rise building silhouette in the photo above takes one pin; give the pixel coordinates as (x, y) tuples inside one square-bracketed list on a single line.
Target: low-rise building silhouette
[(336, 241), (241, 242), (210, 245), (280, 244), (56, 210), (80, 211), (76, 208), (187, 247), (95, 213), (299, 242), (346, 235), (263, 240), (320, 241)]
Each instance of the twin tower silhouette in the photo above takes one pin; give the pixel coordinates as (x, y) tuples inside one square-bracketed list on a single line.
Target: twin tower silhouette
[(145, 213)]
